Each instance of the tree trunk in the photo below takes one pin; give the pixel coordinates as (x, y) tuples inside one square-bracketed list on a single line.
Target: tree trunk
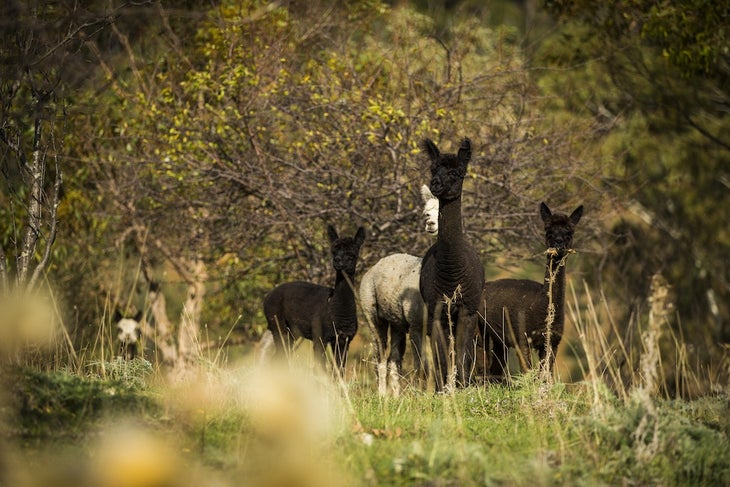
[(189, 332), (34, 179), (177, 357), (161, 333)]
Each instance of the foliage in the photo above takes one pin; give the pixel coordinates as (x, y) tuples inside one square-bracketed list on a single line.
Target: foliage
[(691, 35), (61, 405), (655, 86), (688, 448), (265, 125), (233, 131)]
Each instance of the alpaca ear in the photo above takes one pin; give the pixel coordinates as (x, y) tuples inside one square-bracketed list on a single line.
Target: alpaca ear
[(360, 236), (332, 233), (431, 149), (116, 316), (464, 154), (138, 316), (426, 193), (575, 216), (545, 212)]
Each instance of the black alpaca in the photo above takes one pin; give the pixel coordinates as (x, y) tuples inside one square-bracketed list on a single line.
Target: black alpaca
[(452, 276), (325, 315), (523, 304)]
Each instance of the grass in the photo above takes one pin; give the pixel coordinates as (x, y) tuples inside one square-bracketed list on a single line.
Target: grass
[(116, 424), (291, 427)]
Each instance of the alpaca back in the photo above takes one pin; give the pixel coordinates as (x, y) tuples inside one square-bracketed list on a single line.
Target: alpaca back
[(389, 291), (519, 302), (284, 304)]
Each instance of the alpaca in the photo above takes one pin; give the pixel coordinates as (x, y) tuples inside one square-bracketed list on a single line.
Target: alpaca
[(128, 333), (452, 276), (325, 315), (391, 302), (430, 210), (518, 309)]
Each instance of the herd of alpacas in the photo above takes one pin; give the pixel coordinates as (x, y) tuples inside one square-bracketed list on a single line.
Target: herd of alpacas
[(441, 299)]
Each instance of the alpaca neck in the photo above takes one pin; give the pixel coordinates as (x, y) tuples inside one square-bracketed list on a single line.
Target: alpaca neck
[(457, 264), (556, 272), (451, 233), (342, 303)]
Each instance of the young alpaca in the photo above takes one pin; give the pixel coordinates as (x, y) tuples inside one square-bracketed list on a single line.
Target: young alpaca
[(128, 334), (391, 302), (327, 316), (452, 276), (524, 304)]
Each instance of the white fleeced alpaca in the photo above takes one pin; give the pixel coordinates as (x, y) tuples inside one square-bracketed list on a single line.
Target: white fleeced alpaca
[(392, 302)]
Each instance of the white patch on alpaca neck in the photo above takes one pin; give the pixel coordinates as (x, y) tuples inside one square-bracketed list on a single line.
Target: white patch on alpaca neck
[(128, 331)]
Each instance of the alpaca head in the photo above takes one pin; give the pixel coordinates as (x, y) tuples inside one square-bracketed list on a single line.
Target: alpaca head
[(559, 228), (345, 250), (430, 210), (128, 329), (447, 170)]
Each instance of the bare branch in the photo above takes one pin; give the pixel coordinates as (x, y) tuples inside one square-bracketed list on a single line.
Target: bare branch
[(4, 283), (53, 217), (35, 173)]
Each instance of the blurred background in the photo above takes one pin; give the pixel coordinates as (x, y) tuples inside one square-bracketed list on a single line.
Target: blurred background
[(180, 159)]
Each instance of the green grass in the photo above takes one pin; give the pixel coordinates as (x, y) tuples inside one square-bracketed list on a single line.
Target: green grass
[(113, 423), (241, 425)]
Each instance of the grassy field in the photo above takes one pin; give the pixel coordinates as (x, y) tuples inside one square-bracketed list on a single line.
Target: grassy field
[(242, 425), (229, 421)]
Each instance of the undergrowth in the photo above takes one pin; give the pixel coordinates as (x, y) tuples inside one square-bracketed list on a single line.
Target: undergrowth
[(294, 428), (116, 423)]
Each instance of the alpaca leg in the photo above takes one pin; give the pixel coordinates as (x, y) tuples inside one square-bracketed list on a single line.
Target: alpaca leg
[(281, 346), (550, 365), (465, 347), (320, 351), (419, 359), (395, 360), (341, 345), (280, 336), (381, 370), (524, 342), (439, 345), (525, 350), (417, 333), (498, 359), (265, 348), (440, 348), (394, 373)]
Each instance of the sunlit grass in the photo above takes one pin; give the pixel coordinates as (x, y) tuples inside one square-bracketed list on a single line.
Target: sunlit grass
[(226, 423)]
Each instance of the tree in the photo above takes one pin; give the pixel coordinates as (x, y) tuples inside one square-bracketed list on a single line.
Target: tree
[(264, 125), (44, 59), (655, 77)]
